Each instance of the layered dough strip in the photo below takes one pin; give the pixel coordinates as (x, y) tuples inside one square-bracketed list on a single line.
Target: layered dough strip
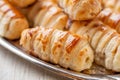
[(47, 14), (34, 9), (110, 18), (104, 40), (12, 23), (51, 17), (81, 9), (22, 3), (58, 47)]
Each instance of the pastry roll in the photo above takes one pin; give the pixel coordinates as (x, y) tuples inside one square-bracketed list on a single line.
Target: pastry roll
[(12, 23), (110, 18), (51, 17), (58, 47), (81, 9), (34, 9), (47, 14), (104, 41), (22, 3)]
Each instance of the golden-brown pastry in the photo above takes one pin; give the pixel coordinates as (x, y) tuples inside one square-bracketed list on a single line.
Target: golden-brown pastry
[(22, 3), (104, 41), (12, 23), (59, 47), (110, 18), (81, 9)]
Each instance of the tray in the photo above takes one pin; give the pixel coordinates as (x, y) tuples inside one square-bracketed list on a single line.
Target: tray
[(15, 48)]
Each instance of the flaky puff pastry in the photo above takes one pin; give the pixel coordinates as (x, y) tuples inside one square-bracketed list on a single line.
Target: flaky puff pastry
[(51, 17), (46, 13), (58, 47), (104, 40), (81, 9), (22, 3), (110, 18), (12, 23)]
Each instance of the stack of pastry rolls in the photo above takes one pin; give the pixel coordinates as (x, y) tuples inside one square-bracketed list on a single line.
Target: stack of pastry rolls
[(50, 41), (59, 12), (92, 36), (103, 34), (104, 41)]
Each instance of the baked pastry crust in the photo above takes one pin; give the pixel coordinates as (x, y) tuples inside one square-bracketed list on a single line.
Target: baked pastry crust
[(59, 47), (12, 22), (47, 14)]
